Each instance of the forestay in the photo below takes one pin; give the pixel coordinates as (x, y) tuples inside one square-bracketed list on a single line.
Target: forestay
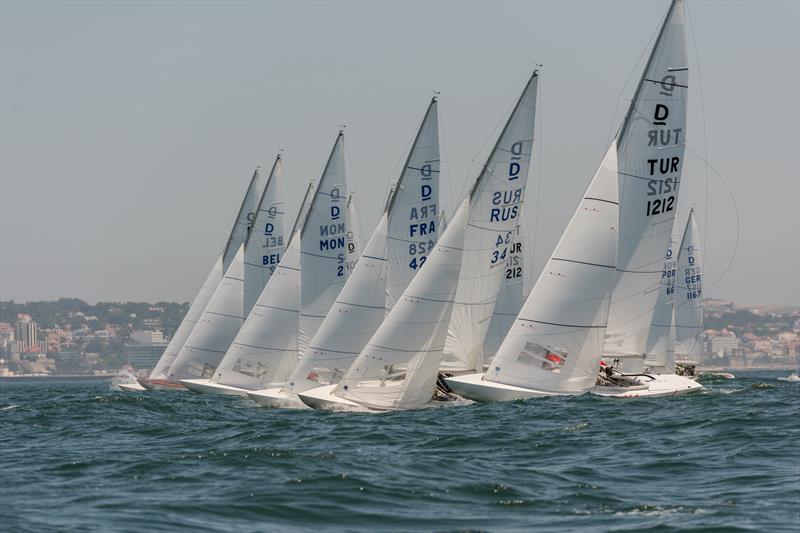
[(386, 266), (495, 203), (236, 237), (650, 154), (689, 295), (265, 243), (398, 367), (556, 342)]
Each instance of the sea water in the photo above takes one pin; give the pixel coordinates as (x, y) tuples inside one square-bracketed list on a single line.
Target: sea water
[(86, 457)]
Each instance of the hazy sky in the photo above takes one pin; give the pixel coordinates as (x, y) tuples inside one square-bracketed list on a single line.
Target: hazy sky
[(128, 131)]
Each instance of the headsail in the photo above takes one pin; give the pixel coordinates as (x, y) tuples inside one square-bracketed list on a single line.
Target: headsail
[(265, 348), (495, 202), (410, 217), (555, 344), (689, 295), (650, 157), (397, 369), (236, 237), (216, 328), (265, 245)]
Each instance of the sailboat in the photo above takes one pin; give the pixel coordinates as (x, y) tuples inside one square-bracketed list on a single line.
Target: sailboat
[(158, 378), (677, 327), (399, 246), (689, 298), (399, 366), (307, 278), (554, 345), (596, 295), (225, 312)]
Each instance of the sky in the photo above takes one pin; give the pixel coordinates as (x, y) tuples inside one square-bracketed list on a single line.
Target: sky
[(129, 130)]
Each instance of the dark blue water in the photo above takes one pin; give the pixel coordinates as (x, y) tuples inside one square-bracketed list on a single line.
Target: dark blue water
[(84, 457)]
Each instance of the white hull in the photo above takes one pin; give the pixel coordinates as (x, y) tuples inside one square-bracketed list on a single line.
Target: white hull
[(660, 385), (275, 398), (131, 387), (473, 387), (323, 398), (205, 386)]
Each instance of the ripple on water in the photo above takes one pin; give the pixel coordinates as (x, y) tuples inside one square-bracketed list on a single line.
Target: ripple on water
[(89, 458)]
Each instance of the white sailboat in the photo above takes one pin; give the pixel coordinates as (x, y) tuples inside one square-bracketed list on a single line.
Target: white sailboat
[(398, 247), (266, 348), (158, 376), (681, 287), (651, 146), (554, 346), (398, 367), (689, 296)]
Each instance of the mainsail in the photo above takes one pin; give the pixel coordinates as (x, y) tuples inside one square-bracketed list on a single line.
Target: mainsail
[(265, 243), (650, 144), (495, 204), (509, 299), (406, 233), (556, 342), (323, 245), (660, 340), (689, 295), (237, 235)]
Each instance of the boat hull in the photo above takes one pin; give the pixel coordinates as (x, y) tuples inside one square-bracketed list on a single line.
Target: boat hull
[(131, 387), (323, 398), (160, 384), (661, 385), (276, 399), (205, 386), (473, 387)]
